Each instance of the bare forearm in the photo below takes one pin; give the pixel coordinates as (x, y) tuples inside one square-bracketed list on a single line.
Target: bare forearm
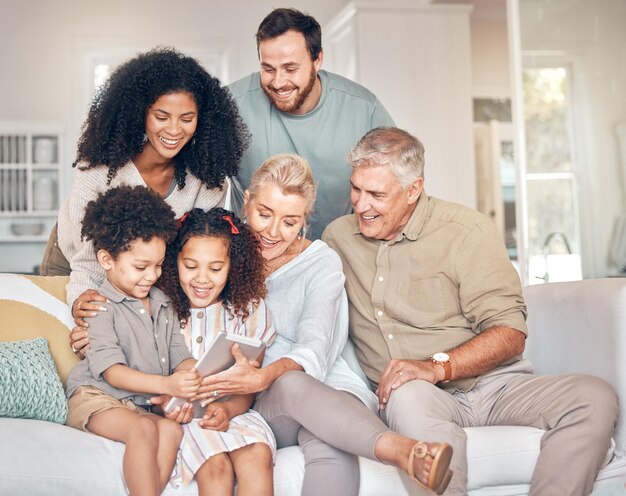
[(484, 352), (123, 377), (186, 364), (480, 354)]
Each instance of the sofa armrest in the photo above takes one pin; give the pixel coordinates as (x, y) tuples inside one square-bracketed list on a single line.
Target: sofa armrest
[(580, 327)]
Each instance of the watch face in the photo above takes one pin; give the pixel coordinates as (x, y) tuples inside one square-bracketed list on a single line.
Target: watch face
[(441, 357)]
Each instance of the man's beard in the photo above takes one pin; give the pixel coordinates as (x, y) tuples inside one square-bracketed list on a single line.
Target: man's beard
[(302, 96)]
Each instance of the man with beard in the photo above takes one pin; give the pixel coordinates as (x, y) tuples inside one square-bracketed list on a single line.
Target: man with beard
[(292, 106)]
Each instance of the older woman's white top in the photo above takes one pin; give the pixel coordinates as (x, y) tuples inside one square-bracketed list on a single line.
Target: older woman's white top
[(309, 307)]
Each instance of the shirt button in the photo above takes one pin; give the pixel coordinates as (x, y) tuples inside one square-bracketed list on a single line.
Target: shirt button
[(156, 335), (200, 315), (380, 313), (199, 339), (167, 321), (163, 359), (142, 310), (390, 336), (381, 278)]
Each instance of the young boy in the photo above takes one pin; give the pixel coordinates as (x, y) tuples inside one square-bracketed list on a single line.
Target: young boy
[(136, 348)]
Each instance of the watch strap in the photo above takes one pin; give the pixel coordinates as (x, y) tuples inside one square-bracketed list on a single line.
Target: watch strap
[(447, 368)]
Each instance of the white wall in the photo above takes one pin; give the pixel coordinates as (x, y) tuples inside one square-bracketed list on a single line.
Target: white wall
[(490, 58), (416, 59)]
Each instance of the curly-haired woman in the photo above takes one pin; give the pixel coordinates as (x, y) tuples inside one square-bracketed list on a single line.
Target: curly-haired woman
[(159, 121)]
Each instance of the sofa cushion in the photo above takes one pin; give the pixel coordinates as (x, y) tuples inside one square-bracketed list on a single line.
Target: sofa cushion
[(69, 461), (30, 308), (29, 384)]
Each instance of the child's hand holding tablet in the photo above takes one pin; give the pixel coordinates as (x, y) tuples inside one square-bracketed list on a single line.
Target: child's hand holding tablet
[(218, 357)]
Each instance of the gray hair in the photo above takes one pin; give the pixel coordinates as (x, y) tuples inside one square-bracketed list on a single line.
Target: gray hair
[(291, 173), (402, 152)]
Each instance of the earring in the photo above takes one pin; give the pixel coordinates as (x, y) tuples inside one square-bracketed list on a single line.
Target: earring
[(144, 139)]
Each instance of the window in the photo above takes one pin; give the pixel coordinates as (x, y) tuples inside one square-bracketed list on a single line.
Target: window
[(552, 202)]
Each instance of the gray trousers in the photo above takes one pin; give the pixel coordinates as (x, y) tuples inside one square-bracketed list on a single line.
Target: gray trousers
[(578, 412), (332, 427)]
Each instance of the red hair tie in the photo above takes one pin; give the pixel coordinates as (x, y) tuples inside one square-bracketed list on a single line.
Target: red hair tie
[(181, 220), (233, 227)]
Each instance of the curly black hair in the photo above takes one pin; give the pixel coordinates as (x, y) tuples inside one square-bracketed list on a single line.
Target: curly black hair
[(124, 214), (113, 132), (246, 278)]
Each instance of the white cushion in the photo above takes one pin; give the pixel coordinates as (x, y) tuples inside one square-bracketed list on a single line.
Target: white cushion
[(48, 458), (39, 458)]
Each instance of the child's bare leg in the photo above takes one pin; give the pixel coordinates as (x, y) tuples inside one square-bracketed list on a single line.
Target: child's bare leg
[(170, 435), (216, 476), (140, 435), (254, 469)]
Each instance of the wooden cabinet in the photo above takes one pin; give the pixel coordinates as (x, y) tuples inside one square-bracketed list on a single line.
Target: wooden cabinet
[(30, 180)]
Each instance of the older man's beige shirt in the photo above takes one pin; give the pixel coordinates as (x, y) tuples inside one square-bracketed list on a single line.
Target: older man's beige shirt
[(446, 278)]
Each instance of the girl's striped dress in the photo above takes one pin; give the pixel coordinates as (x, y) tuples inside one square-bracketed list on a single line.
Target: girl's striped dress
[(199, 444)]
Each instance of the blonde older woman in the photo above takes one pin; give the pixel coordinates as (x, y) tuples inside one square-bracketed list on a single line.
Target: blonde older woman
[(308, 394)]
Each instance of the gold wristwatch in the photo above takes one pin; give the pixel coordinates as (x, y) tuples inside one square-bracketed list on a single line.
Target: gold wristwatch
[(443, 359)]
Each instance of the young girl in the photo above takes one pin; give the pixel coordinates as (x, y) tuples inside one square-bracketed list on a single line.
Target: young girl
[(214, 274), (135, 343)]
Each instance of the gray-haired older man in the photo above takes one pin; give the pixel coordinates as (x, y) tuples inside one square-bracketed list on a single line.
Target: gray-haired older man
[(438, 320)]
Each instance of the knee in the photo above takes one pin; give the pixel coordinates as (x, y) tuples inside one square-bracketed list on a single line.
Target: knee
[(218, 466), (171, 430), (259, 455), (415, 397), (595, 396), (291, 381), (144, 430)]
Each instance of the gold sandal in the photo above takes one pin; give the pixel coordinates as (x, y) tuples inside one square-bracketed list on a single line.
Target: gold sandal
[(439, 475)]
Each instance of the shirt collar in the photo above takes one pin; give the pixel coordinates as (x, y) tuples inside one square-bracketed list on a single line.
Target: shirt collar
[(156, 295), (418, 218), (413, 226)]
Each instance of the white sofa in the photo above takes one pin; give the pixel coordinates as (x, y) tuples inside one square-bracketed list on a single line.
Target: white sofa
[(574, 327)]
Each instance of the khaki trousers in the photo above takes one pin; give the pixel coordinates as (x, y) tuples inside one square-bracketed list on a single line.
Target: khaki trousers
[(578, 412)]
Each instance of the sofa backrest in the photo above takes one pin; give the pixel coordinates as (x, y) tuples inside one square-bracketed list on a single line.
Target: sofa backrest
[(580, 327), (34, 306)]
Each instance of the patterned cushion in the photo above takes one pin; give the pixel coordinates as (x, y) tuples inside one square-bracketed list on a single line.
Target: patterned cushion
[(34, 306), (29, 384)]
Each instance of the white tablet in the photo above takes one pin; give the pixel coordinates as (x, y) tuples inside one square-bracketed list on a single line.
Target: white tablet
[(218, 357)]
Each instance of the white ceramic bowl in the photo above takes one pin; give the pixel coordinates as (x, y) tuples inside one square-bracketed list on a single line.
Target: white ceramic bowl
[(27, 229)]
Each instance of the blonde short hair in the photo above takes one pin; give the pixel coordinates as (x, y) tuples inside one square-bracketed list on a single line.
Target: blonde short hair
[(291, 173)]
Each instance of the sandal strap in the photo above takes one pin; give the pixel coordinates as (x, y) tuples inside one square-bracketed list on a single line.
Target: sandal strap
[(419, 450)]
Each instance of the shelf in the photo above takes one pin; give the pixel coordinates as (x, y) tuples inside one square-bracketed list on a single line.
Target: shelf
[(30, 177), (29, 214), (25, 239)]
